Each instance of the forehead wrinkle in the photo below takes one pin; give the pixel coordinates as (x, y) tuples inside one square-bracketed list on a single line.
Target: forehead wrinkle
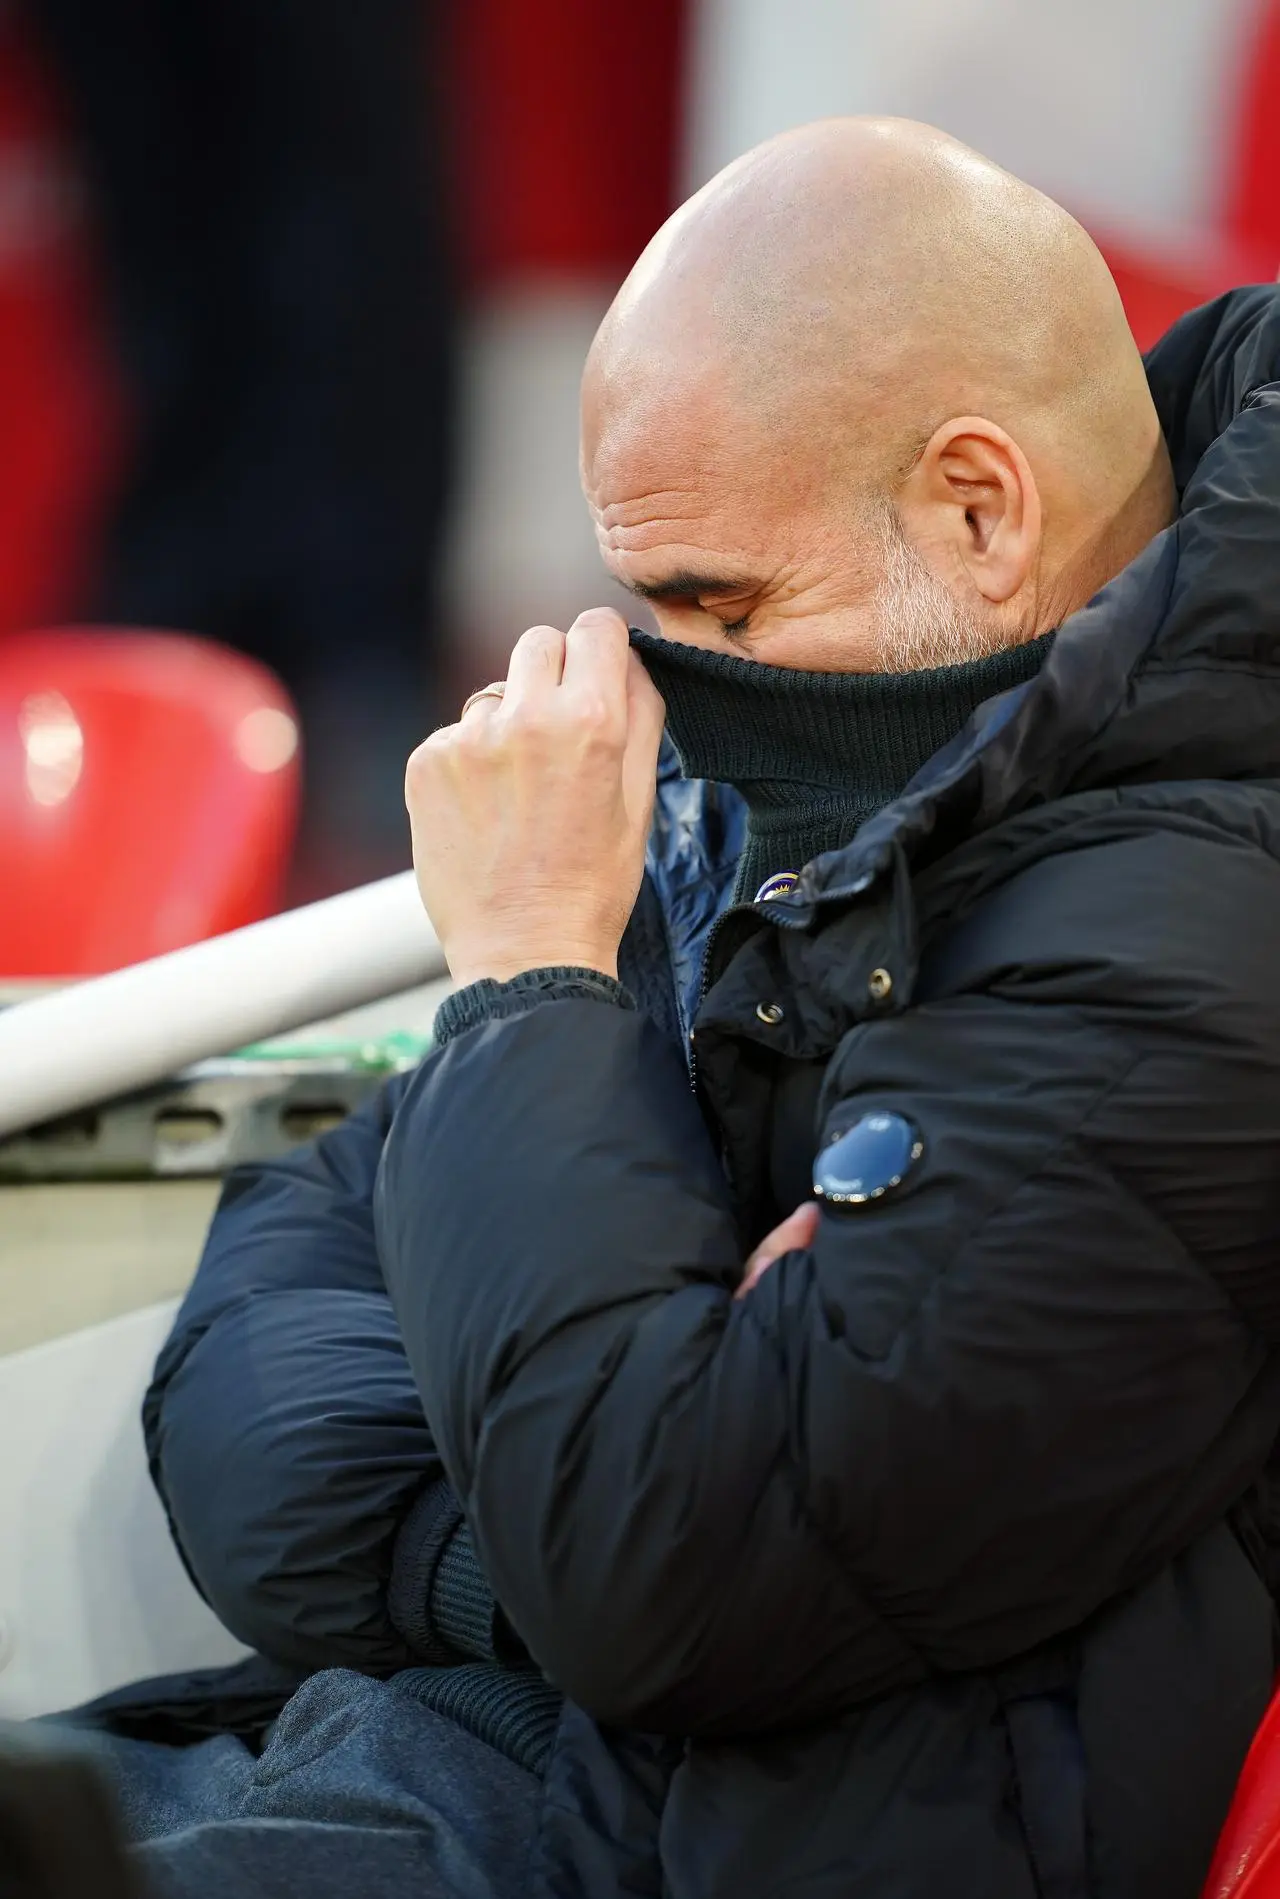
[(656, 507), (682, 549)]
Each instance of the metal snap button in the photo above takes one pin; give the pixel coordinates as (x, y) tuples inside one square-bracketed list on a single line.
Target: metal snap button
[(770, 1013), (779, 885), (879, 984)]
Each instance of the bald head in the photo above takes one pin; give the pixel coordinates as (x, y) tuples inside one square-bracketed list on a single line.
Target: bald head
[(863, 356)]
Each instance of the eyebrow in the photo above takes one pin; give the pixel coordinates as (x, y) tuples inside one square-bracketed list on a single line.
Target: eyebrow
[(685, 584)]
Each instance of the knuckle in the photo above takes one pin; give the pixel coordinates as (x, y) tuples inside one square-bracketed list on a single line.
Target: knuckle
[(607, 722), (542, 643), (530, 721), (603, 620), (597, 719), (420, 763), (473, 738)]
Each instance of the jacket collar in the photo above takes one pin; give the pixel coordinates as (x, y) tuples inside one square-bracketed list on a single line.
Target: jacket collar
[(1172, 671)]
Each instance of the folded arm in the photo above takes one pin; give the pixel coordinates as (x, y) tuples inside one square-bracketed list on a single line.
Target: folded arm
[(956, 1424), (285, 1433)]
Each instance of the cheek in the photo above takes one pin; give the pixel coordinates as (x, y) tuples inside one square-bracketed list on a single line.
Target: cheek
[(690, 626), (835, 640)]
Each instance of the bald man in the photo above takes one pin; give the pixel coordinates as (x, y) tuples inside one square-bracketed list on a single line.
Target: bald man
[(786, 1392)]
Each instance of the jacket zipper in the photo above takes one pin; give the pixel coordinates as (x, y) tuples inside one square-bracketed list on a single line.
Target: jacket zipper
[(705, 974), (704, 984)]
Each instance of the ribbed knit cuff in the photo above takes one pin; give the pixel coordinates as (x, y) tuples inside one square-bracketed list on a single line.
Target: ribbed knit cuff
[(462, 1605), (424, 1536), (490, 1001), (513, 1710), (439, 1599)]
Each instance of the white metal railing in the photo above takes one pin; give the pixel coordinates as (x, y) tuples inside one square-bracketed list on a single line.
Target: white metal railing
[(113, 1034)]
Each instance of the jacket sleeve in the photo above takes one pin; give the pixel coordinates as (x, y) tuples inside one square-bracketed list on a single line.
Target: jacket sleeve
[(969, 1415), (284, 1432)]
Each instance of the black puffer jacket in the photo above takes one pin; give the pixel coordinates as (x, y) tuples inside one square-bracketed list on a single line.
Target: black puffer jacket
[(937, 1564)]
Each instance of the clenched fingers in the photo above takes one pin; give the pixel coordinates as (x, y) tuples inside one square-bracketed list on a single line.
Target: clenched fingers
[(797, 1231)]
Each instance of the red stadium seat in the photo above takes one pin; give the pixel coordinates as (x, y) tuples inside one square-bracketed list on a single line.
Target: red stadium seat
[(148, 794), (1247, 1862)]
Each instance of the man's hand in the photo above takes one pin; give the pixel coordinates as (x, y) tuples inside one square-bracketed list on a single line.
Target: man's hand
[(797, 1231), (530, 816)]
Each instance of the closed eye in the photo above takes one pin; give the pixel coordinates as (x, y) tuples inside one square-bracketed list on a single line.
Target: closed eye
[(689, 589)]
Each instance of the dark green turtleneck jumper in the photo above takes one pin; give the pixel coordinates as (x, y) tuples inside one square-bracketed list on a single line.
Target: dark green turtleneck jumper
[(814, 754)]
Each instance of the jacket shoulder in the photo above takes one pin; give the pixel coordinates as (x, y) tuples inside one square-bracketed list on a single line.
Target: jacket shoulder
[(1159, 900)]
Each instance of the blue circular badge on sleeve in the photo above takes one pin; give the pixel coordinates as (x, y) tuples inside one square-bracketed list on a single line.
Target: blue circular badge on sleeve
[(868, 1160)]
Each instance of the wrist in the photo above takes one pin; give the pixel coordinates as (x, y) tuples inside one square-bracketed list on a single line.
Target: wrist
[(501, 966)]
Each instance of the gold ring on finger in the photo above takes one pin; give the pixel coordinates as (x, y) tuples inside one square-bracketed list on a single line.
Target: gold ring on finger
[(493, 691)]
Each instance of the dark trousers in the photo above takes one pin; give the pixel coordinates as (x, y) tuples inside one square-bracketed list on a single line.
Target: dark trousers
[(359, 1790)]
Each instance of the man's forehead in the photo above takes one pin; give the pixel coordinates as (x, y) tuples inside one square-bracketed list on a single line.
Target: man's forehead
[(629, 523), (665, 541), (678, 566), (687, 500), (671, 469), (708, 525), (645, 448)]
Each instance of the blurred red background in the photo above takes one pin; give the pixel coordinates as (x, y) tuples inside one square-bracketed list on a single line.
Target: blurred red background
[(551, 176), (564, 137)]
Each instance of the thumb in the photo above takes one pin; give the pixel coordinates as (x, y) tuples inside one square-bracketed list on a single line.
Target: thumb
[(796, 1232)]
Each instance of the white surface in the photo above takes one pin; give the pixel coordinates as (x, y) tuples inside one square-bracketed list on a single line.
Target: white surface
[(1120, 108), (411, 1012), (92, 1594), (522, 551), (119, 1032), (75, 1254)]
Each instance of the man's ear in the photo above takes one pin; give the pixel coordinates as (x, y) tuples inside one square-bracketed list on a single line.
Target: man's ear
[(971, 503)]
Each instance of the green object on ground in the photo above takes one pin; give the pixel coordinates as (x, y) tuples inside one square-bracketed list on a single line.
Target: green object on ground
[(382, 1054)]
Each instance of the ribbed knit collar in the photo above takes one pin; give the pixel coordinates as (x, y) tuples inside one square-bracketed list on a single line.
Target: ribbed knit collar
[(814, 754)]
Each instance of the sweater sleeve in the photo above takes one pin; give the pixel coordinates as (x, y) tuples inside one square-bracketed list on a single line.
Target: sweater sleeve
[(490, 1001)]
